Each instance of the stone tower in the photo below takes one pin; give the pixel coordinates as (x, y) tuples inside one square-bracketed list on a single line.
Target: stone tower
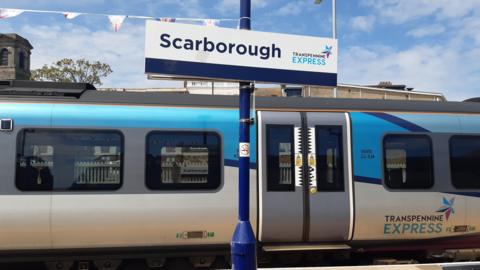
[(14, 57)]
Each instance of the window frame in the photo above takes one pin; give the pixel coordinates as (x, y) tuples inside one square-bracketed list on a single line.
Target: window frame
[(2, 52), (186, 187), (275, 187), (21, 60), (384, 161), (450, 159), (21, 134), (343, 157)]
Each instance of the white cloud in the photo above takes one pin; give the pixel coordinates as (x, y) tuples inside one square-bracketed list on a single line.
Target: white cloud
[(227, 6), (468, 28), (400, 11), (438, 68), (291, 8), (429, 30), (191, 8), (363, 23), (123, 50)]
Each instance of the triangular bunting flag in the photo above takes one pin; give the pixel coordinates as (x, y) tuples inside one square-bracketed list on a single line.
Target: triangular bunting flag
[(166, 19), (211, 23), (116, 21), (71, 15), (8, 13)]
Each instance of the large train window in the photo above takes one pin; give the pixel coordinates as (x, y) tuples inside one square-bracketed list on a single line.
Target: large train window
[(183, 160), (66, 160), (464, 161), (280, 165), (329, 151), (408, 162)]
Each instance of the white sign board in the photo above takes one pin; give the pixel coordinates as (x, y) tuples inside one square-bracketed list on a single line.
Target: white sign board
[(183, 50)]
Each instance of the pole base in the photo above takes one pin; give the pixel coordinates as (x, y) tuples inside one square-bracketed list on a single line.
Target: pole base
[(244, 247)]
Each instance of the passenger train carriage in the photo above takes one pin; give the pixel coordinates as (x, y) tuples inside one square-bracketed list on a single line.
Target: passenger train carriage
[(154, 175)]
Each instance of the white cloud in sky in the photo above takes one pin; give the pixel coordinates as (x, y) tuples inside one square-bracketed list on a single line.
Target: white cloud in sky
[(439, 68), (227, 6), (429, 30), (450, 65), (123, 50), (400, 11), (363, 23), (291, 8)]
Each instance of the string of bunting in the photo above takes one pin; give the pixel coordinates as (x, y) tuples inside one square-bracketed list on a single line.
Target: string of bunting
[(115, 20)]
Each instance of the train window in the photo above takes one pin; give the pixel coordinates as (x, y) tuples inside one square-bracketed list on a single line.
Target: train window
[(280, 165), (181, 160), (408, 162), (329, 151), (464, 161), (68, 160)]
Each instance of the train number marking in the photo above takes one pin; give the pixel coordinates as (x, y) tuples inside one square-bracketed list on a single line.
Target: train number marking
[(367, 154)]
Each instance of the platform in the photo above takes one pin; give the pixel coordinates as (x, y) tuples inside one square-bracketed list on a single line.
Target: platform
[(433, 266)]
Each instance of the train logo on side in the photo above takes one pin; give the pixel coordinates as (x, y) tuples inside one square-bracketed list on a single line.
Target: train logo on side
[(447, 207)]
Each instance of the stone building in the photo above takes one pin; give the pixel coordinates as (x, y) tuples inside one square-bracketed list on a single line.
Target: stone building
[(14, 57), (384, 90)]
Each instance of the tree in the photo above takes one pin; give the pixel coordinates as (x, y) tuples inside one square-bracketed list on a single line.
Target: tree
[(69, 70)]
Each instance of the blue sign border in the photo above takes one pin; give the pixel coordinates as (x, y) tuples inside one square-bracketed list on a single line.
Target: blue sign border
[(238, 73)]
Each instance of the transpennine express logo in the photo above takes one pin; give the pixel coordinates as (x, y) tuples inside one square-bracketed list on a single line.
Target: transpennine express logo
[(312, 58), (447, 207), (328, 51)]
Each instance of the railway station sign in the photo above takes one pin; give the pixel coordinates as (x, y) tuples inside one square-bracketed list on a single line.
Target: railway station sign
[(190, 51)]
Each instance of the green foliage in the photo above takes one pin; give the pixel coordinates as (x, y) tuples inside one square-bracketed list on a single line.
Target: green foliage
[(69, 70)]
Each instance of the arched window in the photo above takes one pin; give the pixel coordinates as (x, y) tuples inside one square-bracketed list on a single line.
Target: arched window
[(3, 57), (21, 60)]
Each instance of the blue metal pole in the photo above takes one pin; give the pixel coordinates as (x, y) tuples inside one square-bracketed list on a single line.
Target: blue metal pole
[(243, 245)]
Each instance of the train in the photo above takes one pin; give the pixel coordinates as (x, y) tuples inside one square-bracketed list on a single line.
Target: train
[(123, 180)]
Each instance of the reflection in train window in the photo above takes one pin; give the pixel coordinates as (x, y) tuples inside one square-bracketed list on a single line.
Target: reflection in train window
[(280, 165), (329, 153), (408, 161), (63, 160), (183, 160), (464, 161)]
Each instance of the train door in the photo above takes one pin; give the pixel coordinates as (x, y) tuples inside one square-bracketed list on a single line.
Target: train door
[(304, 179), (330, 190)]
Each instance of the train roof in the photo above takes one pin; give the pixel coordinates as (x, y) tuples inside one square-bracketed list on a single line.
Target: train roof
[(52, 92)]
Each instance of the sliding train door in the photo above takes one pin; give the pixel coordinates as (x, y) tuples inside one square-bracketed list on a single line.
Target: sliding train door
[(280, 198), (305, 188), (329, 164)]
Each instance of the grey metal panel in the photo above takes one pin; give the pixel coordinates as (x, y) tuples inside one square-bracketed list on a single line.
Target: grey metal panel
[(261, 103), (25, 219), (280, 212), (280, 102), (330, 210), (137, 216)]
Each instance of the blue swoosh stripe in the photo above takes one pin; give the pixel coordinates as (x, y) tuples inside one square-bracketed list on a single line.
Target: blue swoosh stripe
[(399, 122), (368, 180), (376, 181)]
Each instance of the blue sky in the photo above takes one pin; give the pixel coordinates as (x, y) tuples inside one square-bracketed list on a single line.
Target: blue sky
[(431, 45)]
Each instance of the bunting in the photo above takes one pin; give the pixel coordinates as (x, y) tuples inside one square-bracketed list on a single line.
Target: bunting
[(211, 22), (71, 15), (166, 19), (115, 20), (9, 13)]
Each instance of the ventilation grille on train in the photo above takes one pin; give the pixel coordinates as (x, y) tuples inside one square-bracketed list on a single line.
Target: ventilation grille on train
[(43, 89)]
